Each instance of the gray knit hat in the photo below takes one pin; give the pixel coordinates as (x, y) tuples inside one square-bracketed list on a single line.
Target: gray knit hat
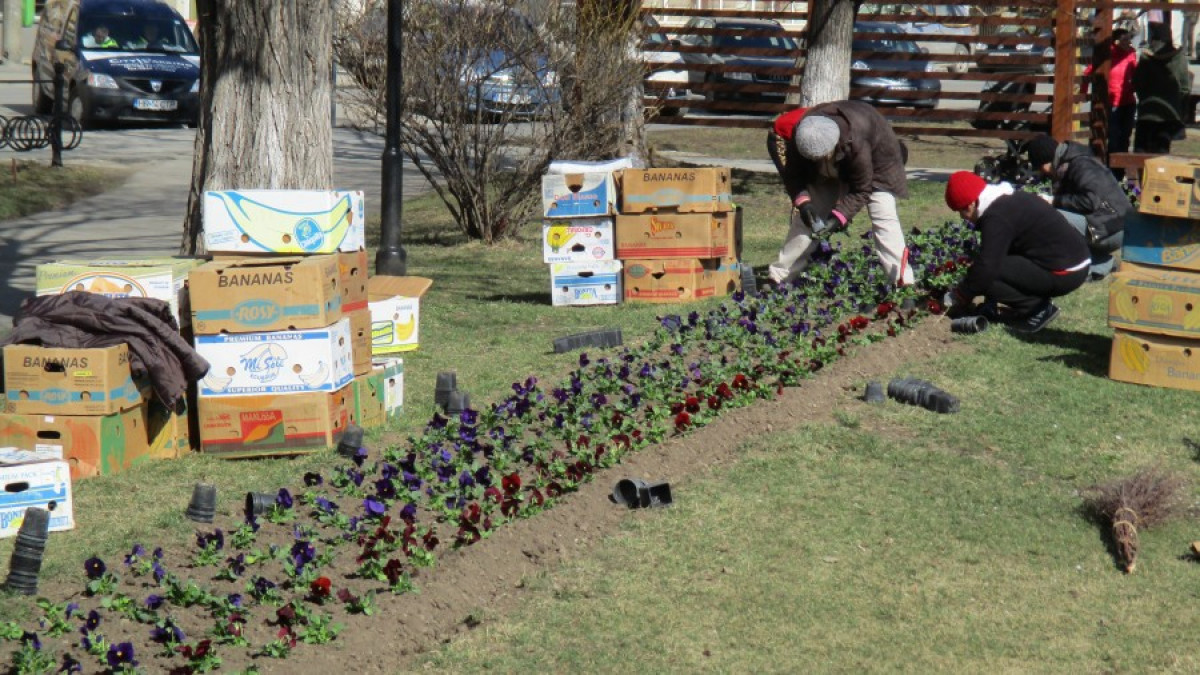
[(816, 136)]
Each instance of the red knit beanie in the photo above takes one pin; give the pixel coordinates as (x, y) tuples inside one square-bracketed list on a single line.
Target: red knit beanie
[(963, 189), (786, 123)]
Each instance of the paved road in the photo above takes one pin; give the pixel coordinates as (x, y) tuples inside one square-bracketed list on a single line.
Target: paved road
[(145, 216)]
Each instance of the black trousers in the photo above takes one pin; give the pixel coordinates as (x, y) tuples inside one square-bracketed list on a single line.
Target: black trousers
[(1024, 286)]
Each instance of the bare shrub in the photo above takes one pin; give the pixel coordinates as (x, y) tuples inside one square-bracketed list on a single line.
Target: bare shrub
[(493, 91)]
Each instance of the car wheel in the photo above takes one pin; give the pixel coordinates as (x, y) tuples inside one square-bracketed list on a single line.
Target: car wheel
[(76, 112), (960, 66), (42, 104)]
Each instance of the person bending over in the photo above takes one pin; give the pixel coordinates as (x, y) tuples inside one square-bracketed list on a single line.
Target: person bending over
[(834, 159), (1087, 195), (1028, 253)]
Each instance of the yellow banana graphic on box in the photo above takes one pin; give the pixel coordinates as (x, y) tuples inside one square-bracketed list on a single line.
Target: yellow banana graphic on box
[(1125, 307), (1132, 354), (288, 231), (404, 331), (556, 236), (1191, 320)]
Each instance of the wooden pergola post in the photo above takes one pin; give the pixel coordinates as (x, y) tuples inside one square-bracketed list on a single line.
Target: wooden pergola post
[(1062, 123), (1101, 72)]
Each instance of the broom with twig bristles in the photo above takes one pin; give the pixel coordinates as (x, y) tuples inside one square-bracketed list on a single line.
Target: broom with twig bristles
[(1139, 502)]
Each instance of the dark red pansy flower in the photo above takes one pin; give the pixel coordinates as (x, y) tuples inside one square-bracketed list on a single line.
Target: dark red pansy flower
[(891, 331), (676, 408), (741, 382), (321, 587), (842, 330), (724, 391), (510, 507), (692, 405), (714, 403), (600, 450), (286, 614), (553, 490), (859, 322), (682, 421), (536, 498), (393, 570), (492, 494), (431, 540), (622, 440), (470, 514), (583, 441), (617, 418), (934, 306), (884, 308), (511, 483)]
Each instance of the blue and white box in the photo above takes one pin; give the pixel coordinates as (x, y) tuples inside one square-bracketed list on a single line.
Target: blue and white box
[(283, 221), (577, 240), (38, 479), (585, 283), (277, 362)]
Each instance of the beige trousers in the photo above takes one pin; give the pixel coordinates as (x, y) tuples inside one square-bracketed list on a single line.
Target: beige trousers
[(885, 231)]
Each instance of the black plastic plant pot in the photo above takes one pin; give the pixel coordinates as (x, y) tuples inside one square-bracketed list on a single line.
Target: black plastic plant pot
[(969, 324), (28, 549), (656, 494), (874, 393), (598, 339), (628, 492), (204, 503), (352, 440), (258, 503), (458, 402), (446, 383)]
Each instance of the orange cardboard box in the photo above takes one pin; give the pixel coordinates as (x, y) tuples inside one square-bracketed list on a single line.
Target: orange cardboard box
[(1155, 360), (680, 189), (663, 281), (352, 277), (92, 445), (280, 424), (1158, 300), (59, 381), (673, 236)]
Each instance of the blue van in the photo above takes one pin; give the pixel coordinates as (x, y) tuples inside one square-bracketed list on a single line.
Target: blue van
[(126, 60)]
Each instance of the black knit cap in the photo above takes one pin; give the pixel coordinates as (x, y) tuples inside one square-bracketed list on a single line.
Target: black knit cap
[(1041, 150)]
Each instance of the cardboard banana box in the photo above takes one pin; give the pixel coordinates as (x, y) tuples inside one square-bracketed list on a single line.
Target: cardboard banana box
[(581, 284), (1157, 300), (161, 278), (663, 281), (679, 189), (233, 427), (283, 221), (60, 381), (395, 304), (577, 240), (1162, 241), (244, 295), (1155, 360), (279, 362), (1169, 187)]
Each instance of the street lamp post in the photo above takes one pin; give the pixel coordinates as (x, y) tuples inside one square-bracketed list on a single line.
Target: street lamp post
[(391, 258)]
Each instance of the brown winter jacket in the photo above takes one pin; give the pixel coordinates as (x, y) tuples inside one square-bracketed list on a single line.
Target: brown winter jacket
[(868, 157)]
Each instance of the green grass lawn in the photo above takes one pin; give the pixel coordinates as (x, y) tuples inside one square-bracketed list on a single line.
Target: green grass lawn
[(895, 539), (30, 187)]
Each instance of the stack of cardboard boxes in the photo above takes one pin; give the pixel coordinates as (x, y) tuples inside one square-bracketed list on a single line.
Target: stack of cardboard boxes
[(83, 405), (1154, 299), (677, 234), (578, 203), (281, 313), (675, 237)]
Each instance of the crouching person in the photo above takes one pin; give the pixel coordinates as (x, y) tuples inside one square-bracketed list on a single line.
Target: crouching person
[(834, 159), (1088, 196), (1028, 253)]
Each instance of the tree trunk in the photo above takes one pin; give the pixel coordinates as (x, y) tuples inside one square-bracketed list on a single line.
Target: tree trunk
[(265, 94), (830, 32)]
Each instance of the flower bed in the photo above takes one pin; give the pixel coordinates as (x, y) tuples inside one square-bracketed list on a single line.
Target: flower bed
[(325, 548)]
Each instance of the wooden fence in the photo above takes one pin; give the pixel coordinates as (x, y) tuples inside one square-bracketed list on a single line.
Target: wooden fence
[(1027, 56)]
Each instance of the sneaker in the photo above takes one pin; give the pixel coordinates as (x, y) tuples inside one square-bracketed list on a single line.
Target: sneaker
[(1039, 319)]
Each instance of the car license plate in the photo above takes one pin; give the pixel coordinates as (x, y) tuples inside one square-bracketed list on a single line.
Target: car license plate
[(516, 99), (164, 105)]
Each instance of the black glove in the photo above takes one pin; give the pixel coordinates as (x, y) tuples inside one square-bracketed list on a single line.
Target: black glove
[(809, 215)]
